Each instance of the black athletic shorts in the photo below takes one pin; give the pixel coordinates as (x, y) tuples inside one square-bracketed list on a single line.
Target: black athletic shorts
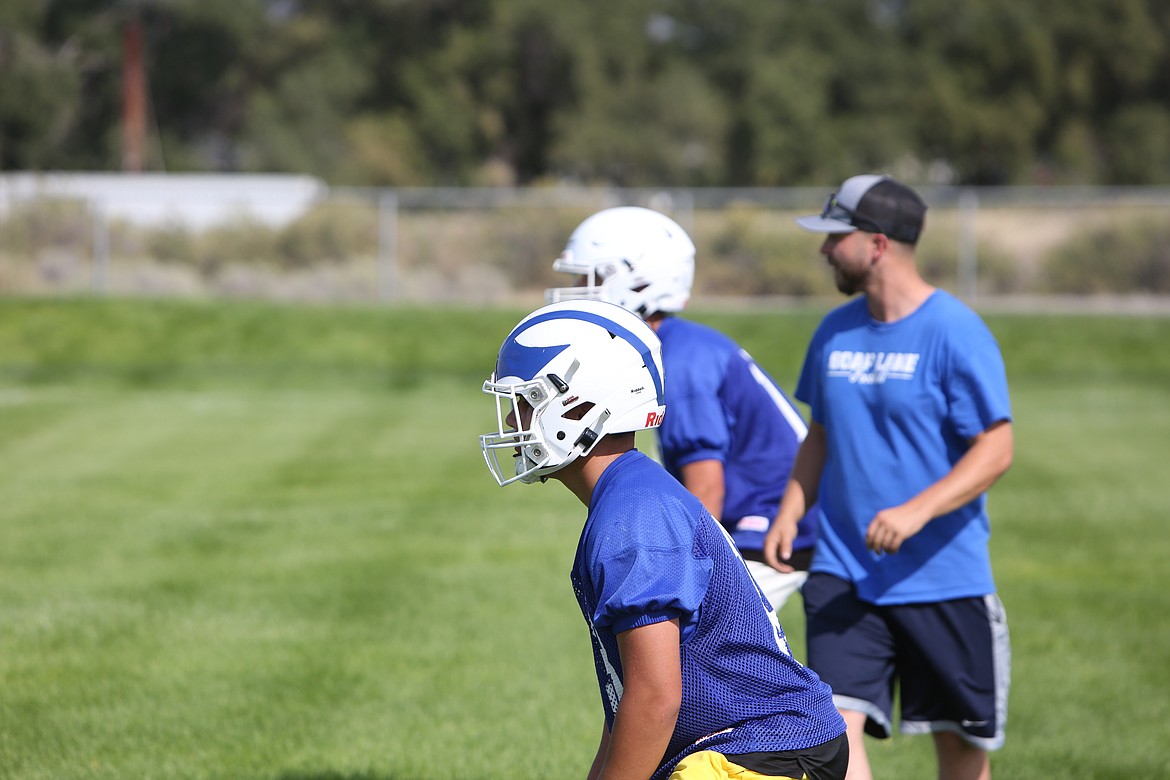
[(827, 761), (951, 660)]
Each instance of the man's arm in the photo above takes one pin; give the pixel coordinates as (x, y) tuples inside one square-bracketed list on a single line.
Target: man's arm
[(799, 495), (704, 478), (983, 464), (652, 696)]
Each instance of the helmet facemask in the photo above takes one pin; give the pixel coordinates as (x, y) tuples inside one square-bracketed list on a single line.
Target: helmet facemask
[(533, 432), (591, 276)]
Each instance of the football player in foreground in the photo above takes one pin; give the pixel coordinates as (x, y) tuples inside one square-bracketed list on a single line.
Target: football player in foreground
[(732, 433), (696, 677)]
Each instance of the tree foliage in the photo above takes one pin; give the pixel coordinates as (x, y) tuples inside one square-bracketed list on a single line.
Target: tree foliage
[(630, 92)]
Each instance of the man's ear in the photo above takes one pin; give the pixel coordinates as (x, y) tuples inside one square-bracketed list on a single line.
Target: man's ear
[(879, 245)]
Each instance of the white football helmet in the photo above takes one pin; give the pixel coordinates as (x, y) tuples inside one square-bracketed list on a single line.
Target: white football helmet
[(637, 258), (584, 369)]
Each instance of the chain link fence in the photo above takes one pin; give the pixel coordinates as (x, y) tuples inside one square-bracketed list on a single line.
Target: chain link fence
[(488, 246)]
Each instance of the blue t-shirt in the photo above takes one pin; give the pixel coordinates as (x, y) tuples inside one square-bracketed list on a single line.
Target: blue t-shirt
[(651, 552), (899, 403), (720, 405)]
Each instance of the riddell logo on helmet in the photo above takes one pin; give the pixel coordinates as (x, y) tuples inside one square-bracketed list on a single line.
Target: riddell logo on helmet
[(654, 419)]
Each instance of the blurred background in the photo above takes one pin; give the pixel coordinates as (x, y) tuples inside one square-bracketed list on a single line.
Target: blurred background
[(442, 150)]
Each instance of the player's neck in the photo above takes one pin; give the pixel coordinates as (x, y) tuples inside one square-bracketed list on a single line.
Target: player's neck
[(581, 476), (655, 320)]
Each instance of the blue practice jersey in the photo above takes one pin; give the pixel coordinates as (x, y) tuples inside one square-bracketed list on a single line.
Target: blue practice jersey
[(651, 552), (899, 403), (720, 405)]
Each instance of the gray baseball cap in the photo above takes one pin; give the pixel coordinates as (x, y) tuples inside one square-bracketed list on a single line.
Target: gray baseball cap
[(873, 203)]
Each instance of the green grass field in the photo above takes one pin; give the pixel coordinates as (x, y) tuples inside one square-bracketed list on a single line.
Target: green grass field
[(254, 541)]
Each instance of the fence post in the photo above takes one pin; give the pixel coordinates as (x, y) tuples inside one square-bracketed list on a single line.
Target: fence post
[(968, 270), (100, 237), (685, 209), (387, 243)]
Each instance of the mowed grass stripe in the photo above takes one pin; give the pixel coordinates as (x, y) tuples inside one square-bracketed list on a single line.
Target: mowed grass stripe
[(161, 550)]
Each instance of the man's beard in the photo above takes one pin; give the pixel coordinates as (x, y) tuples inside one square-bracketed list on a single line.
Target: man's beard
[(849, 283)]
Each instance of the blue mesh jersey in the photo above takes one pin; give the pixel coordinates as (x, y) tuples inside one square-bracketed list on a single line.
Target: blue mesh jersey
[(720, 405), (651, 552), (899, 403)]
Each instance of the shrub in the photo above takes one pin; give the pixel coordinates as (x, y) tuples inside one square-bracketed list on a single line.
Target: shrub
[(1126, 258), (34, 225), (756, 252), (172, 244), (329, 233), (996, 273), (244, 241), (524, 243)]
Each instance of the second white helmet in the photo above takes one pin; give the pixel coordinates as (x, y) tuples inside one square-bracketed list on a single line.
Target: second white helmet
[(635, 257)]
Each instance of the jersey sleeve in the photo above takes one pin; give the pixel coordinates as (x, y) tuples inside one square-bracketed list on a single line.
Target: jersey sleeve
[(695, 429), (696, 425), (641, 586)]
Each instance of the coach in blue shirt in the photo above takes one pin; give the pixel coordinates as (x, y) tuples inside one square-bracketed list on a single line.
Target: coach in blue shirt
[(911, 424)]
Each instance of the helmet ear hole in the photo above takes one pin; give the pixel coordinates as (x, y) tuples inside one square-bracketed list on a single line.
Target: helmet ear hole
[(579, 411)]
